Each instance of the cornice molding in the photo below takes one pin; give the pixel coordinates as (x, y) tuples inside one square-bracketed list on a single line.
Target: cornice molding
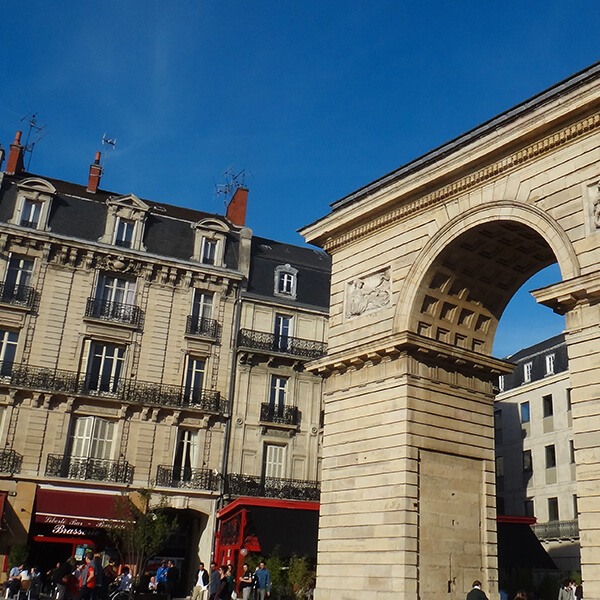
[(531, 152)]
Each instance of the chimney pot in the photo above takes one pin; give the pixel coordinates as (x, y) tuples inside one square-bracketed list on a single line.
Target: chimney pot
[(95, 174), (236, 209), (14, 164)]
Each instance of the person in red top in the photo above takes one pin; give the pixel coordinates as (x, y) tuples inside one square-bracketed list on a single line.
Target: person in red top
[(87, 581)]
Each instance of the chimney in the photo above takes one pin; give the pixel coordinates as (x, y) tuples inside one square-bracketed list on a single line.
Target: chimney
[(14, 164), (236, 209), (95, 174)]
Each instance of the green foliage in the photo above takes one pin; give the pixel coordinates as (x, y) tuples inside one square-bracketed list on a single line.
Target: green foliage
[(140, 530), (275, 566), (18, 555), (299, 577)]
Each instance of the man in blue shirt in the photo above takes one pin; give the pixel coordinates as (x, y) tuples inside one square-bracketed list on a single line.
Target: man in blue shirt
[(263, 577), (215, 579)]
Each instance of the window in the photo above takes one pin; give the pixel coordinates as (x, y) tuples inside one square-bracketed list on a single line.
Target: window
[(500, 505), (186, 455), (550, 360), (209, 251), (500, 466), (283, 331), (572, 451), (575, 507), (550, 457), (528, 507), (194, 379), (92, 438), (501, 383), (524, 412), (274, 461), (277, 396), (527, 461), (553, 509), (527, 367), (568, 399), (105, 367), (203, 305), (286, 281), (30, 214), (547, 406), (18, 275), (8, 349), (498, 426), (124, 233), (115, 300)]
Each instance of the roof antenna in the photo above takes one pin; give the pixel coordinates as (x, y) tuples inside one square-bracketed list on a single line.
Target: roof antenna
[(110, 142), (233, 181), (36, 130)]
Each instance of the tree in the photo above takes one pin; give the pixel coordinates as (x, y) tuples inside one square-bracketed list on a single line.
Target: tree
[(140, 529)]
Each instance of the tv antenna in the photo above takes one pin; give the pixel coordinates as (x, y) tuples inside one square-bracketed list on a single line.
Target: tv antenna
[(233, 181), (34, 135)]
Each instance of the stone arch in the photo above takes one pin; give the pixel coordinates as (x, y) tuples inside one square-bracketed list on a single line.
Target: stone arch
[(463, 279)]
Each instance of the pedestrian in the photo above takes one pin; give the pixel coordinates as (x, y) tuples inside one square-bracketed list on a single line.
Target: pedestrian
[(215, 579), (566, 591), (230, 581), (161, 577), (125, 580), (60, 577), (200, 591), (579, 591), (98, 595), (476, 593), (35, 587), (172, 578), (223, 592), (87, 580), (245, 582), (263, 578)]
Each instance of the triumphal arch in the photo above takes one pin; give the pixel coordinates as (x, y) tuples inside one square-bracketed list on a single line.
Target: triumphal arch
[(425, 260)]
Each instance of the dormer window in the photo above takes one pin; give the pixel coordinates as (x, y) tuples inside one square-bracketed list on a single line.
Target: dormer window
[(286, 278), (33, 203), (125, 220), (124, 232), (209, 242), (209, 251)]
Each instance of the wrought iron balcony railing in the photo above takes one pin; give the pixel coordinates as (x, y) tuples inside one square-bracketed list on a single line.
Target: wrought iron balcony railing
[(209, 328), (117, 312), (271, 343), (96, 469), (10, 461), (130, 390), (17, 295), (272, 487), (183, 477), (280, 415), (556, 530)]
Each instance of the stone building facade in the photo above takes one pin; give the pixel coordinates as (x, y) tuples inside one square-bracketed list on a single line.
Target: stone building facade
[(120, 321)]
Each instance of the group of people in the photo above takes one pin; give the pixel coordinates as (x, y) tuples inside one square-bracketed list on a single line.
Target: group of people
[(570, 590), (220, 583), (23, 577), (166, 579)]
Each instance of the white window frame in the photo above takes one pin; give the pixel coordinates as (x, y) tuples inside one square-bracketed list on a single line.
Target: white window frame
[(202, 304), (527, 371), (111, 363), (125, 208), (22, 267), (93, 437), (194, 377), (274, 461), (210, 251), (278, 392), (111, 288), (286, 281), (186, 453), (125, 230), (501, 383), (283, 331), (550, 363), (33, 191), (9, 342)]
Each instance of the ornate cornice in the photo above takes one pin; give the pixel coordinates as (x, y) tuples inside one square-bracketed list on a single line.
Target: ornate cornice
[(487, 173)]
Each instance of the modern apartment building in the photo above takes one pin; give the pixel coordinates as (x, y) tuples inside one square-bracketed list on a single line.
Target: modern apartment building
[(535, 455), (144, 344)]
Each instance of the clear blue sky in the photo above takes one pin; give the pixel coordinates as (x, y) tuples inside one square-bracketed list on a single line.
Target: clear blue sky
[(313, 99)]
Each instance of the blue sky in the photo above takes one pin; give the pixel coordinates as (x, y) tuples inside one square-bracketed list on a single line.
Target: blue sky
[(312, 99)]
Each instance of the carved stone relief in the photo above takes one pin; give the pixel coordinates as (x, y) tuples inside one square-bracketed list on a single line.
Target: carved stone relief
[(368, 293)]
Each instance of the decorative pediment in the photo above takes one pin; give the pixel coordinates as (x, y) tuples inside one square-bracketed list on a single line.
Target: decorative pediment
[(130, 201), (211, 224), (35, 184)]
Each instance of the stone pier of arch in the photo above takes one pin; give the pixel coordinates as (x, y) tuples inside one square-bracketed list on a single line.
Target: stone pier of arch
[(425, 260)]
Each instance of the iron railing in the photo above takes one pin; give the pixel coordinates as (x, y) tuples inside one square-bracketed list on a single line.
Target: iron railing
[(556, 530), (269, 342), (183, 477), (280, 415), (200, 326), (118, 312), (272, 487), (17, 295), (130, 390), (10, 461), (96, 469)]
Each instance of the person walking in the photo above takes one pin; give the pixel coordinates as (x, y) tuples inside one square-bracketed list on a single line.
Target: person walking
[(87, 581), (172, 578), (215, 579), (245, 582), (476, 593), (263, 578), (161, 577), (200, 590)]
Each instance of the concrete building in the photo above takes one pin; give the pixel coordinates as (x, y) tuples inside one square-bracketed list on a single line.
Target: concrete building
[(144, 344), (535, 453)]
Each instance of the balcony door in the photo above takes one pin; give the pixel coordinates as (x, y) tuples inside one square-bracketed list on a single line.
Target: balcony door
[(18, 275), (92, 438), (277, 396), (273, 461), (283, 332), (8, 349), (116, 290), (186, 455), (105, 365), (203, 303), (194, 379)]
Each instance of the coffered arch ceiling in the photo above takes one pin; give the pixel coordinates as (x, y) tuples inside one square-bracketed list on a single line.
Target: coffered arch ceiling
[(467, 287)]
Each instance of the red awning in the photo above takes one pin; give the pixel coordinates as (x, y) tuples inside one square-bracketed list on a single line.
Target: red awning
[(76, 509)]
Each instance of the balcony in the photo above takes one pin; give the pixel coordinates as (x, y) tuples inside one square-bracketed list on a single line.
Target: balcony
[(279, 415), (193, 479), (10, 461), (271, 343), (95, 469), (202, 327), (557, 530), (273, 487), (114, 312), (130, 390), (22, 296)]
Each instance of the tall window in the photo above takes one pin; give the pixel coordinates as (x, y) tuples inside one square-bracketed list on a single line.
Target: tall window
[(18, 274), (283, 331), (115, 299), (286, 281), (277, 397), (550, 457), (498, 426), (8, 349), (274, 461), (550, 361), (194, 378), (186, 454), (553, 509), (501, 383), (209, 251), (525, 412), (124, 232), (527, 461), (500, 473), (547, 405), (572, 451), (92, 438), (30, 214), (105, 367), (528, 507), (527, 368)]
